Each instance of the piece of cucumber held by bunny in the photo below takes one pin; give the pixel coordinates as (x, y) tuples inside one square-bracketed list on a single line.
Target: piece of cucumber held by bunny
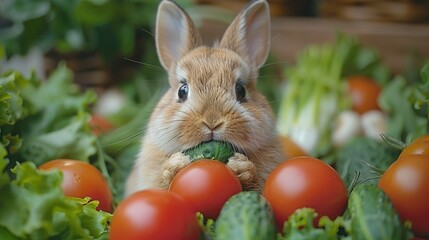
[(212, 96)]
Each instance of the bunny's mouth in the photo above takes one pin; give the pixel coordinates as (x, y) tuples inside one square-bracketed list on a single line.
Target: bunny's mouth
[(214, 149), (227, 144)]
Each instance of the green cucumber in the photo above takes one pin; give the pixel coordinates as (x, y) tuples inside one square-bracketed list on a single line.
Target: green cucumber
[(216, 150), (246, 216), (373, 216)]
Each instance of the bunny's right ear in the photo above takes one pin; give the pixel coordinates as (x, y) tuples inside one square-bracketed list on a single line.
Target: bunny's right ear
[(249, 33), (175, 33)]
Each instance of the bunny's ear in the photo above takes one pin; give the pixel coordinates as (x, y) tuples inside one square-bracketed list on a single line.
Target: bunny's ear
[(175, 33), (249, 33)]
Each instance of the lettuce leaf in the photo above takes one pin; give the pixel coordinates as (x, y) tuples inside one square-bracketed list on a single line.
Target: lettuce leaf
[(33, 206), (406, 103), (45, 120), (14, 103), (300, 225)]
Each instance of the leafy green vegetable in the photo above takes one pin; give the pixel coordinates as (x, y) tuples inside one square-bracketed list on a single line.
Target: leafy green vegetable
[(33, 206), (300, 226), (46, 120), (363, 156), (406, 104), (420, 95), (72, 27), (216, 150), (316, 91), (403, 123), (423, 89), (41, 121), (15, 104), (207, 227)]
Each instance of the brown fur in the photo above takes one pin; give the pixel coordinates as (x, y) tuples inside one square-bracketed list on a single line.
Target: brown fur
[(211, 111)]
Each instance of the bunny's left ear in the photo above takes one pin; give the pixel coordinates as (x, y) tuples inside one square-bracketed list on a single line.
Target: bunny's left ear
[(249, 34), (175, 33)]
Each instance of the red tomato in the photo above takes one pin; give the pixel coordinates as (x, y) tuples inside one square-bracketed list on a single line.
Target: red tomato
[(153, 214), (422, 138), (206, 185), (100, 125), (420, 147), (81, 179), (406, 183), (364, 93), (305, 182)]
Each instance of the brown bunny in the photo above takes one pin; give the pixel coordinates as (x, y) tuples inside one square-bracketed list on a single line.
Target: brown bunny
[(212, 96)]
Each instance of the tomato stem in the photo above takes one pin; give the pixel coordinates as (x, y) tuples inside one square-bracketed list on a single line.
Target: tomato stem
[(374, 169)]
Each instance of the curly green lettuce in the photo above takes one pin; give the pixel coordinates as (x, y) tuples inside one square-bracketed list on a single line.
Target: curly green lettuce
[(44, 120), (407, 103), (300, 225)]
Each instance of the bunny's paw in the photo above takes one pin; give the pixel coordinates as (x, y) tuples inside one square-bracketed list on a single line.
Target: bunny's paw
[(245, 171), (173, 164)]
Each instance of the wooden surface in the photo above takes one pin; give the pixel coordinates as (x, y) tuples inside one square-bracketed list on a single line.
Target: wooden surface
[(396, 42)]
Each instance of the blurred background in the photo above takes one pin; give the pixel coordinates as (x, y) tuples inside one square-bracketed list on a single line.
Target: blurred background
[(102, 41)]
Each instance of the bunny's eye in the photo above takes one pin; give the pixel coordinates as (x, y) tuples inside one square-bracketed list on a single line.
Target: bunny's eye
[(240, 92), (183, 92)]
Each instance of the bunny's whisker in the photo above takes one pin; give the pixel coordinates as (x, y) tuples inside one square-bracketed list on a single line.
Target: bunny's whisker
[(145, 64), (148, 32), (282, 63)]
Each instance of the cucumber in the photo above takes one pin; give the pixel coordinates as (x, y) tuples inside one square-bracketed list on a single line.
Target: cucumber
[(216, 150), (246, 216), (373, 216)]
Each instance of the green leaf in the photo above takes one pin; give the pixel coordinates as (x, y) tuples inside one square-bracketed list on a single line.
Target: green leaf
[(420, 94), (12, 142), (403, 122), (14, 105), (11, 31), (71, 141), (86, 8), (22, 10), (44, 121), (4, 177), (300, 226), (207, 226)]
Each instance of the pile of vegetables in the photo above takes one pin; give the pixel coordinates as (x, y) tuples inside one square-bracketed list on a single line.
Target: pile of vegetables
[(338, 91), (33, 206), (316, 91), (343, 188), (41, 121)]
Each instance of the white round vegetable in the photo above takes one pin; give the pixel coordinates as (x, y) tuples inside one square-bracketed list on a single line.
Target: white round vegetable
[(109, 102), (374, 123), (348, 125)]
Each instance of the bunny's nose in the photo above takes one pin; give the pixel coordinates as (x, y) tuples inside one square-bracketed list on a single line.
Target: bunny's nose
[(213, 126), (213, 130)]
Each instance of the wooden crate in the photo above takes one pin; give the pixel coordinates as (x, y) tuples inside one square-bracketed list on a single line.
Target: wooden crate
[(277, 7), (377, 10), (395, 42)]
